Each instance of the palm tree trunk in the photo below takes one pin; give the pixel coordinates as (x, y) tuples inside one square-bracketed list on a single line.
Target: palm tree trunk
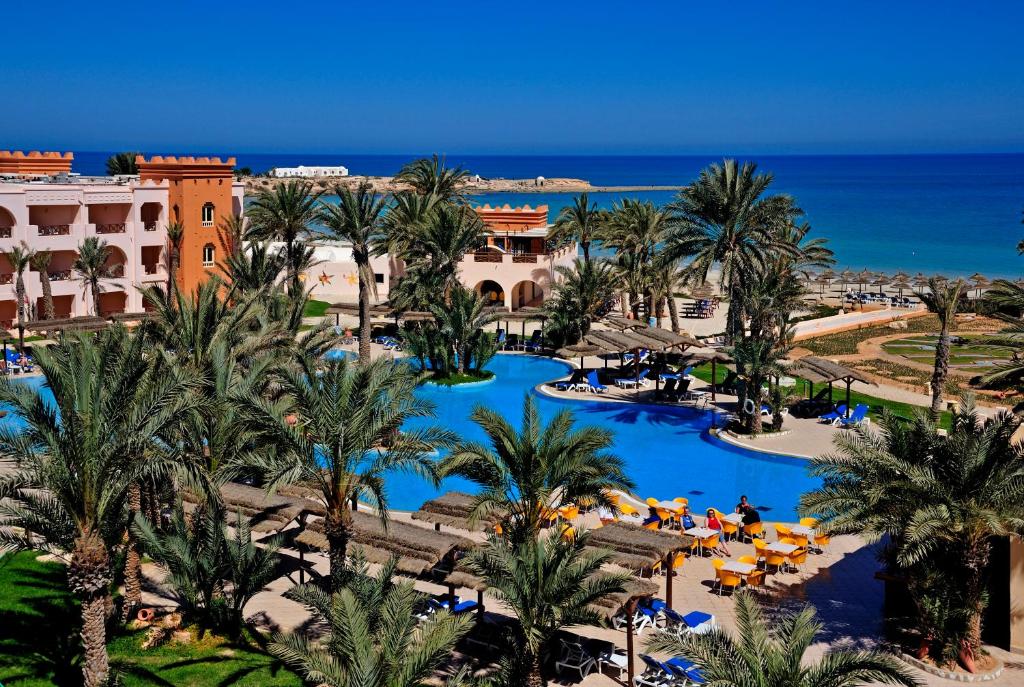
[(95, 285), (44, 280), (673, 312), (941, 371), (364, 320), (624, 303), (535, 675), (461, 352), (95, 665), (20, 292), (133, 562), (336, 529), (585, 245), (976, 560)]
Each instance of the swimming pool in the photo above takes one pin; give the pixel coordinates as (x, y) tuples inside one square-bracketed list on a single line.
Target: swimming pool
[(667, 450)]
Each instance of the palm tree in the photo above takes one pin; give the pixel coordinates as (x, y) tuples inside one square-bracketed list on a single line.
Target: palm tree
[(461, 323), (232, 232), (548, 583), (373, 636), (637, 229), (175, 235), (581, 296), (724, 218), (337, 425), (76, 458), (666, 281), (41, 263), (770, 653), (759, 359), (939, 500), (256, 269), (942, 298), (1007, 298), (357, 220), (20, 258), (122, 163), (578, 222), (284, 213), (437, 247), (432, 177), (526, 473), (91, 267)]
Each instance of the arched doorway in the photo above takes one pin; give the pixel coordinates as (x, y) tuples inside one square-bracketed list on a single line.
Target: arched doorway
[(491, 291), (527, 293), (6, 223)]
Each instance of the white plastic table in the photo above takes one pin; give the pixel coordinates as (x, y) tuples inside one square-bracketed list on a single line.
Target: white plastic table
[(670, 505), (734, 519), (701, 533), (779, 547), (802, 530), (739, 568)]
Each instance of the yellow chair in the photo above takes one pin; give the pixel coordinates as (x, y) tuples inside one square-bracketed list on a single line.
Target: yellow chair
[(681, 500), (775, 560), (718, 514), (569, 512), (652, 502), (728, 579), (754, 530), (782, 531), (694, 544), (797, 558), (747, 559), (627, 509), (652, 525), (809, 522), (759, 549), (821, 541), (730, 530), (755, 580), (787, 540), (665, 515), (678, 559), (709, 542), (799, 539), (717, 563), (568, 533)]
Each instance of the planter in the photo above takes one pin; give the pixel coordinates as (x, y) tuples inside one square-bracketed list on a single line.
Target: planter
[(955, 675)]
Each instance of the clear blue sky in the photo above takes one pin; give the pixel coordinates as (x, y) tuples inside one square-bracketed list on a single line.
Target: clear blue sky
[(514, 77)]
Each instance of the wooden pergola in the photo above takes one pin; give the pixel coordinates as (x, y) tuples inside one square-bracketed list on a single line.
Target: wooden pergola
[(822, 371), (634, 340), (713, 356)]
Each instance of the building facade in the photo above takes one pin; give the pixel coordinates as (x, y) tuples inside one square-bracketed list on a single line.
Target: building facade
[(48, 209), (304, 171), (516, 269)]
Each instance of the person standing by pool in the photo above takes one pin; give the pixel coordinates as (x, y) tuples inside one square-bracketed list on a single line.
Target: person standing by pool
[(713, 523)]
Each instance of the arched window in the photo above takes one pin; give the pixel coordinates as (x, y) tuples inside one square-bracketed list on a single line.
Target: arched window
[(209, 255), (208, 215)]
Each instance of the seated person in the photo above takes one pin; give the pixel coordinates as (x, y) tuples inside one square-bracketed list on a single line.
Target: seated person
[(750, 515), (743, 504), (686, 520), (713, 523)]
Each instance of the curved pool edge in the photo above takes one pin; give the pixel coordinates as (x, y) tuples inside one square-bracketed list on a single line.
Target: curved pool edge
[(734, 441)]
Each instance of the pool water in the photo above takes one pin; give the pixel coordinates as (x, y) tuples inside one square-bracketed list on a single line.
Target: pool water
[(667, 450)]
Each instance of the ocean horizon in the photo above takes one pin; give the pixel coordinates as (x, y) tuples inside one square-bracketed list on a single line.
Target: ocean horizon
[(953, 214)]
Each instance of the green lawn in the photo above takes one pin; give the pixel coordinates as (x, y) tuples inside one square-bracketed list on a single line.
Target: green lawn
[(846, 342), (315, 308), (877, 405), (39, 641)]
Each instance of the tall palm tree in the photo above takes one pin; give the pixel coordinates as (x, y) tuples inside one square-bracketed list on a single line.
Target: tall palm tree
[(285, 213), (122, 163), (76, 458), (638, 229), (770, 653), (20, 257), (666, 281), (357, 220), (41, 263), (91, 267), (461, 322), (759, 359), (436, 248), (373, 636), (548, 582), (339, 426), (433, 177), (942, 298), (725, 218), (939, 500), (232, 232), (175, 235), (527, 472), (580, 297), (256, 269), (578, 222), (1007, 298)]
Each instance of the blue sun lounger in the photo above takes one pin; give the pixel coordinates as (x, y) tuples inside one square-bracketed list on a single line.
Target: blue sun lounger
[(626, 382), (834, 416), (857, 417), (595, 385)]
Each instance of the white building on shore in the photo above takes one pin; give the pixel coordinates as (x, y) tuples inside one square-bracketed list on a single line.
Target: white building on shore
[(304, 171)]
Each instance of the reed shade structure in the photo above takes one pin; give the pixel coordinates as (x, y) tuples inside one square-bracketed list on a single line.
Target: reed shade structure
[(819, 370), (266, 512), (623, 323), (651, 338), (524, 315), (822, 281), (380, 311), (704, 291), (846, 277), (638, 549), (419, 549), (130, 316), (713, 356), (452, 509), (920, 281), (88, 323), (979, 281), (881, 281), (581, 349), (901, 285), (864, 277)]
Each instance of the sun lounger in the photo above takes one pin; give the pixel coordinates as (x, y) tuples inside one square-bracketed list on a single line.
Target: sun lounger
[(533, 345), (834, 416), (575, 657), (668, 392), (500, 339), (632, 382), (594, 384), (858, 417)]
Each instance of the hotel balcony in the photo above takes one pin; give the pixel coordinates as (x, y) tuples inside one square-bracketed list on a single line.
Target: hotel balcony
[(56, 236)]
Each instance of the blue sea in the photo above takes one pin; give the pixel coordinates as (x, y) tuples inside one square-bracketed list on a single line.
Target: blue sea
[(949, 214)]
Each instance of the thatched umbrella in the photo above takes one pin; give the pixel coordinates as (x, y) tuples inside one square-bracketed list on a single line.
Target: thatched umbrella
[(900, 285), (713, 356), (864, 277), (704, 291), (822, 281), (581, 349), (846, 277), (881, 281), (920, 281), (452, 509), (980, 281), (900, 276), (524, 315)]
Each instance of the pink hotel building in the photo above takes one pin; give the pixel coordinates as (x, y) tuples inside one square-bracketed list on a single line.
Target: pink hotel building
[(48, 208)]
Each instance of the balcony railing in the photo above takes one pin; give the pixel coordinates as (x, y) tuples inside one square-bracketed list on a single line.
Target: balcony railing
[(7, 278), (149, 226), (115, 228), (150, 268), (5, 232), (60, 275), (525, 258), (487, 256), (516, 258), (54, 229)]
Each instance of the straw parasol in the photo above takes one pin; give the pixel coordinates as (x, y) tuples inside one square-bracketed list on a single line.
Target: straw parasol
[(881, 281), (452, 509), (846, 277), (864, 277), (820, 370), (623, 323), (901, 275), (704, 291), (920, 281), (581, 349), (900, 285), (822, 281)]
